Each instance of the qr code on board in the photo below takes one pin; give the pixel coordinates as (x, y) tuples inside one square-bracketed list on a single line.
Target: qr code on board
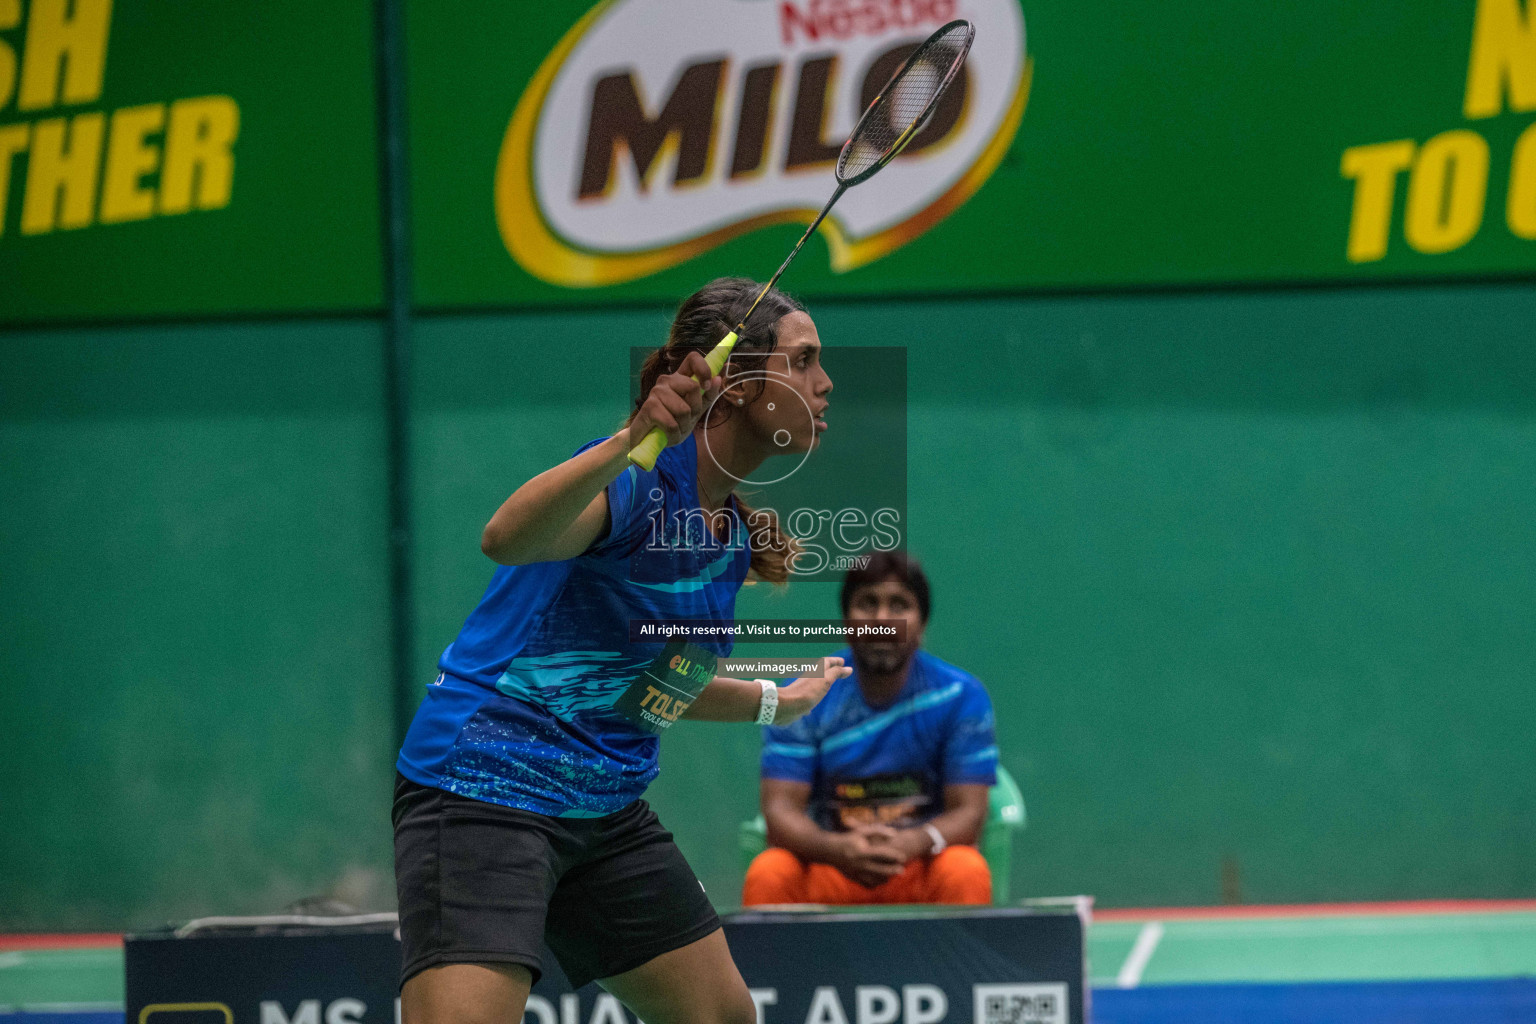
[(1044, 1003)]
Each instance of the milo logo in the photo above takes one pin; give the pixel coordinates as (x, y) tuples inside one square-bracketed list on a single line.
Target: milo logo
[(656, 130)]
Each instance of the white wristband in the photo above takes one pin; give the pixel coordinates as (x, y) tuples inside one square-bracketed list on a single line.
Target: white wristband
[(937, 837), (768, 709)]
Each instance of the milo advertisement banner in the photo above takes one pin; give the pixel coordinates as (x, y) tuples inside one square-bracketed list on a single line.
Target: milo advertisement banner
[(754, 102), (213, 158), (652, 144), (630, 149)]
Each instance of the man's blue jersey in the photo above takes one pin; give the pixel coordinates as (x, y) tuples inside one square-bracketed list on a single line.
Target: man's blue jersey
[(522, 712), (888, 764)]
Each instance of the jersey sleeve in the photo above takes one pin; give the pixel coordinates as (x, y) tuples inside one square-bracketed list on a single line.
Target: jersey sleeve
[(970, 748), (790, 752), (630, 500)]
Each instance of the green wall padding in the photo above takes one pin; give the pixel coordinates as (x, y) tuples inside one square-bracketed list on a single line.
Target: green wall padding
[(1248, 575), (195, 706)]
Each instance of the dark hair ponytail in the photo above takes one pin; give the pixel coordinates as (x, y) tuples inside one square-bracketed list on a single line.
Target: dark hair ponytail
[(705, 317)]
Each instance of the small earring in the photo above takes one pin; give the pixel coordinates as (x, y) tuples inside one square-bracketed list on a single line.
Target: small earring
[(738, 401)]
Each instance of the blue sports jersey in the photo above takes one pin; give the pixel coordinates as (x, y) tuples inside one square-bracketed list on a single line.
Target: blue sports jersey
[(888, 764), (522, 712)]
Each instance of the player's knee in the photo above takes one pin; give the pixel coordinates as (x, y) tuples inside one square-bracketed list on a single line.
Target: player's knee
[(728, 1004), (774, 876), (776, 863), (966, 859), (739, 1008), (962, 873)]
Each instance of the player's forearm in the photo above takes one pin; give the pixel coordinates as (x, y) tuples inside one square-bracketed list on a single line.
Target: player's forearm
[(795, 831), (727, 700), (532, 523), (960, 826)]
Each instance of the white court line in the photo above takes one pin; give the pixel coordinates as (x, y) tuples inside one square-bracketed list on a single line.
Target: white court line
[(1136, 962)]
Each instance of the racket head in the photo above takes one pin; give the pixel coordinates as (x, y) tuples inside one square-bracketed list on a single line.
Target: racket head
[(901, 109)]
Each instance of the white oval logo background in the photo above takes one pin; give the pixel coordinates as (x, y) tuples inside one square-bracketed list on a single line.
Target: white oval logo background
[(636, 227)]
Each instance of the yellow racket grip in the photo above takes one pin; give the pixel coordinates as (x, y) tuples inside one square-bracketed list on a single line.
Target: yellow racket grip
[(644, 454)]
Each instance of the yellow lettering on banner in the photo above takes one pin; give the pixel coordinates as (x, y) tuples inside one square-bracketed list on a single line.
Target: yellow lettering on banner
[(55, 168), (13, 140), (1446, 192), (198, 145), (1374, 170), (1503, 53), (1521, 208), (129, 158), (10, 17), (76, 38)]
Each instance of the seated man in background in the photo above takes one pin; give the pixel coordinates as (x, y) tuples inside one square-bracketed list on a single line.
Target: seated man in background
[(879, 794)]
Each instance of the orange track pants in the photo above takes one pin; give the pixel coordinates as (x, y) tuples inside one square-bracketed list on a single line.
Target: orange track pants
[(959, 874)]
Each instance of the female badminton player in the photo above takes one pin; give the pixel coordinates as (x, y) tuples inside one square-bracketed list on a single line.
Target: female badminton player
[(518, 818)]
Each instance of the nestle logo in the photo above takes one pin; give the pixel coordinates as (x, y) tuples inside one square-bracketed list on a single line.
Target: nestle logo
[(843, 19)]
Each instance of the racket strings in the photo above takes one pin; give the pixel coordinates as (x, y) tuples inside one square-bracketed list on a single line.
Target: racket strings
[(906, 99)]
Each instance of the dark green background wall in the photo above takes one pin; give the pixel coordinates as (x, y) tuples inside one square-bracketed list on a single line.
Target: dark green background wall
[(1249, 576), (195, 708)]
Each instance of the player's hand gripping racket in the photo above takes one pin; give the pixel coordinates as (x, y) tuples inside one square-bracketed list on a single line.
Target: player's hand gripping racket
[(892, 120)]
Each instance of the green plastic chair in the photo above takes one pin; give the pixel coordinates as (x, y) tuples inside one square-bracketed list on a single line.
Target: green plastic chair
[(1005, 816)]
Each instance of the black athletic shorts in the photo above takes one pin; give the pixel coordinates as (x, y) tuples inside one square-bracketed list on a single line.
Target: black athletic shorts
[(482, 883)]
